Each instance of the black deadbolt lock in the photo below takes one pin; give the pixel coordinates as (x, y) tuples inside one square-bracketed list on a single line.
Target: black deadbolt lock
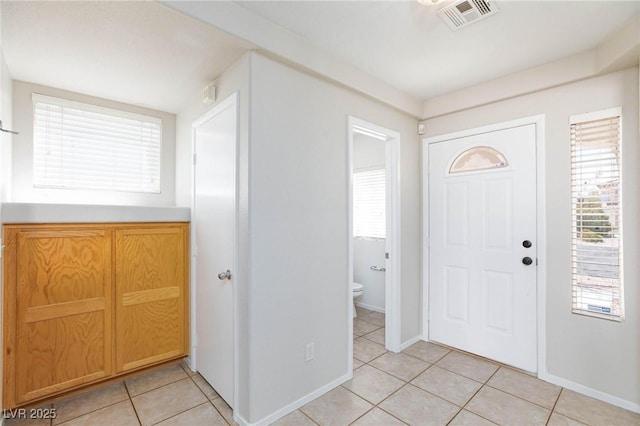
[(527, 260), (526, 244)]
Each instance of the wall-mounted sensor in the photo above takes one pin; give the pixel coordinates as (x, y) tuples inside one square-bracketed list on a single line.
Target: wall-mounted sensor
[(209, 94)]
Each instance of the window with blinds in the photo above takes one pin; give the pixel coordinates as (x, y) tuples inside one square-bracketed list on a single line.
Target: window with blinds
[(596, 251), (369, 204), (81, 146)]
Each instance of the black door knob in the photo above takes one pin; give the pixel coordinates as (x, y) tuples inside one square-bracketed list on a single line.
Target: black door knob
[(527, 260), (526, 244)]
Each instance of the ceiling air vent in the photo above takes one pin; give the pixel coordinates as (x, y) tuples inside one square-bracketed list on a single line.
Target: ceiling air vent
[(461, 13)]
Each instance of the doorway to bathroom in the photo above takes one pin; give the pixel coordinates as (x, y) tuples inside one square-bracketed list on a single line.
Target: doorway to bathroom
[(374, 230)]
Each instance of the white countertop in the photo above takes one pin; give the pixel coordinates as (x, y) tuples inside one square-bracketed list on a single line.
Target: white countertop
[(84, 213)]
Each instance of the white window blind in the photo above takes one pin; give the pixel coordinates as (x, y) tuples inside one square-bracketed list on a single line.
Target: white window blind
[(369, 204), (80, 146), (597, 285)]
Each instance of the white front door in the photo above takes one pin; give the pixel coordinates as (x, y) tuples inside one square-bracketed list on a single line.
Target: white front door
[(215, 235), (482, 254)]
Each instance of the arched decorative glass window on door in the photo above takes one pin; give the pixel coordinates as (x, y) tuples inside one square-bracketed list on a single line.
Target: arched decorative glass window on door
[(478, 158)]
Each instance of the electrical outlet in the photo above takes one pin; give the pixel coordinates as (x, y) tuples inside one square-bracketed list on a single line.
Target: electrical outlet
[(308, 356)]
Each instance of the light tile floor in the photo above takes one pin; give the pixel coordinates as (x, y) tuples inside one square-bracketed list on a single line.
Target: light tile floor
[(429, 384), (426, 384), (171, 396)]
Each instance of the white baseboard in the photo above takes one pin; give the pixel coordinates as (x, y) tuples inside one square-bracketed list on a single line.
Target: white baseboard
[(370, 307), (585, 390), (189, 361), (296, 404), (410, 342)]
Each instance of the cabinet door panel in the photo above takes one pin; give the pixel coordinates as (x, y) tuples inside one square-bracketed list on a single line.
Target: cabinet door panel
[(150, 295), (63, 310), (156, 329), (60, 354)]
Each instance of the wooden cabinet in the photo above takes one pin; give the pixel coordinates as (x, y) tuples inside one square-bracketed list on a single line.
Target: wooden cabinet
[(87, 302)]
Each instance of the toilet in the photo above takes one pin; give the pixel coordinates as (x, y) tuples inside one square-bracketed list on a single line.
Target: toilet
[(358, 290)]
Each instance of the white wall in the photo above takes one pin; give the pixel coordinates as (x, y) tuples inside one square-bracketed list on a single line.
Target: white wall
[(270, 37), (22, 156), (5, 107), (600, 355), (6, 139), (369, 154), (292, 284), (298, 221)]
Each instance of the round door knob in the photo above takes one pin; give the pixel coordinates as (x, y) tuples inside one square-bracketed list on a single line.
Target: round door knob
[(526, 244), (224, 275), (527, 260)]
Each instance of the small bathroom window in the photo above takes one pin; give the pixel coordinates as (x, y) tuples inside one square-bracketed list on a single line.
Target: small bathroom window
[(478, 158), (369, 208)]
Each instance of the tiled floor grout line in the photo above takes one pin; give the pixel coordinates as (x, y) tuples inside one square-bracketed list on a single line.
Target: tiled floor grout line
[(386, 412), (355, 336), (455, 415), (519, 397), (126, 388), (363, 414), (364, 336), (378, 404), (159, 387), (393, 375), (464, 407), (567, 415), (432, 363), (305, 414), (210, 401), (92, 411), (181, 412), (388, 396)]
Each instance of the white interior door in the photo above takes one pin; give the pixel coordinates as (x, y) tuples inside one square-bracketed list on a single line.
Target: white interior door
[(214, 224), (482, 224)]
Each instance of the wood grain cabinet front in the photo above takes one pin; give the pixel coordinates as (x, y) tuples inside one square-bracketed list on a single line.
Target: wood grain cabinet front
[(85, 303)]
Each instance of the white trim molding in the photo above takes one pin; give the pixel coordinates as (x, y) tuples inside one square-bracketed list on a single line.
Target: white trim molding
[(410, 342), (370, 307), (585, 390), (296, 404), (394, 229)]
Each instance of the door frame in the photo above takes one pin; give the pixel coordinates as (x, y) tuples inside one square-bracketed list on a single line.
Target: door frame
[(231, 101), (539, 122), (393, 238)]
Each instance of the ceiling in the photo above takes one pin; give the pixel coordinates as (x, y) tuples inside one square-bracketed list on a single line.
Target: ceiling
[(407, 45), (140, 53), (147, 54)]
